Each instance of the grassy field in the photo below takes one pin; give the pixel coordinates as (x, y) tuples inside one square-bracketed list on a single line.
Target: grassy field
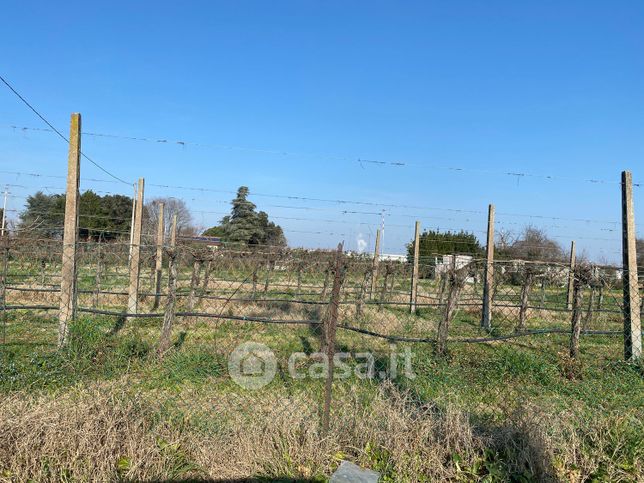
[(109, 408)]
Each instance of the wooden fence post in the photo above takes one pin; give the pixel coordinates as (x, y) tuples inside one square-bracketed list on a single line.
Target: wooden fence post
[(632, 322), (158, 262), (168, 316), (488, 277), (571, 276), (330, 324), (70, 234), (576, 316), (414, 273), (135, 250), (525, 295), (376, 261)]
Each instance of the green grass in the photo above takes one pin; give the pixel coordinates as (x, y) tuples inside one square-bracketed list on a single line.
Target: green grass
[(601, 407)]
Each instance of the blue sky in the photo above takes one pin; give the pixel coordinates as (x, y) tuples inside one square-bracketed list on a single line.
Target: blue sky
[(285, 97)]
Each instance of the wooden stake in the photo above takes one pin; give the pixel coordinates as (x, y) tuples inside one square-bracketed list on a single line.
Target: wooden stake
[(414, 274), (158, 269), (632, 302), (488, 282), (70, 234), (525, 295), (576, 317), (376, 261), (571, 276), (135, 249)]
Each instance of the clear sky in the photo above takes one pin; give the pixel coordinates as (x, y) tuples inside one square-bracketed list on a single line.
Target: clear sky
[(285, 97)]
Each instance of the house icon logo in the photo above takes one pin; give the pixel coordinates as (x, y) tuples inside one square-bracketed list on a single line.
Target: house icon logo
[(252, 365)]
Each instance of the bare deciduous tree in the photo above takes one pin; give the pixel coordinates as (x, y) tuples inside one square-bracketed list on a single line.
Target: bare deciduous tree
[(172, 205), (533, 244)]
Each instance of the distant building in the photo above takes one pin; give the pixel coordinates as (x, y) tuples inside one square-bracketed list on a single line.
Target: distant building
[(447, 262), (392, 258)]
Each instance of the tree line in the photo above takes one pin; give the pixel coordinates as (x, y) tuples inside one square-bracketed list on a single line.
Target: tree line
[(531, 244), (109, 217)]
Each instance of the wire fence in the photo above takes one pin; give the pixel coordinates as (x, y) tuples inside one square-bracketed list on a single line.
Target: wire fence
[(302, 335), (279, 285)]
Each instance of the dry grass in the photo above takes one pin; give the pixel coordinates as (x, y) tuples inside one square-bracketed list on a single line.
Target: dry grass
[(108, 431)]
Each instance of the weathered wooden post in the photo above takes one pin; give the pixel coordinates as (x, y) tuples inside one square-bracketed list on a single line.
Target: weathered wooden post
[(576, 316), (488, 277), (158, 261), (376, 261), (525, 295), (135, 250), (171, 301), (329, 328), (414, 273), (632, 322), (571, 276), (70, 234)]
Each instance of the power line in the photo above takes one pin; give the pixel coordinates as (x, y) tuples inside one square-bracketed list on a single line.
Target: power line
[(361, 161), (33, 109), (342, 202)]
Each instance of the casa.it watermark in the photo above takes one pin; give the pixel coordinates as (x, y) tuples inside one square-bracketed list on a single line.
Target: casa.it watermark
[(253, 365)]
